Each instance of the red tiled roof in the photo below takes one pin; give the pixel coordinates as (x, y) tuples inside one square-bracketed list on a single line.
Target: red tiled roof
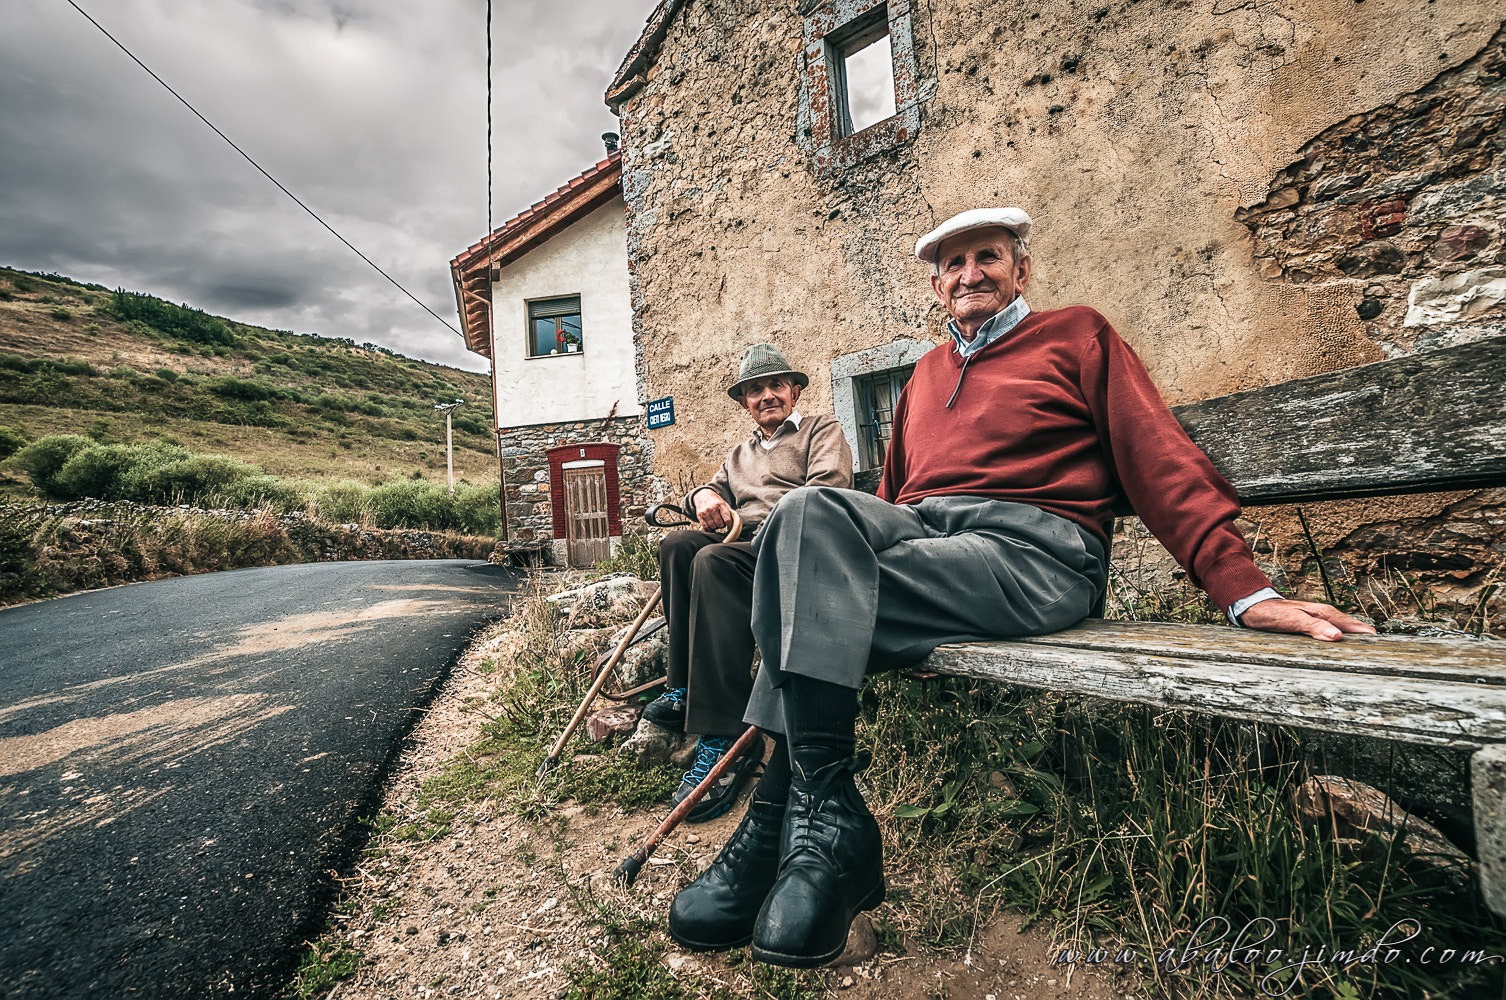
[(519, 235)]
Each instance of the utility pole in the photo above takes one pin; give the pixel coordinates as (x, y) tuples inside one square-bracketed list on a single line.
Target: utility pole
[(449, 439)]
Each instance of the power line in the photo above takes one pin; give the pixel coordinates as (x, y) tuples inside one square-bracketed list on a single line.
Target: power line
[(263, 171), (488, 129)]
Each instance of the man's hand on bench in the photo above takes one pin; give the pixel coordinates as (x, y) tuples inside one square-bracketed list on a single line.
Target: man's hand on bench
[(1321, 621)]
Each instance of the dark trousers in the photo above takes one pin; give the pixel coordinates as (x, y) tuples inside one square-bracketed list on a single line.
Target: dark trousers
[(708, 603)]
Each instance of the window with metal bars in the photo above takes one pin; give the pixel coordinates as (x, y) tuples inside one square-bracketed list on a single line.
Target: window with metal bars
[(876, 396)]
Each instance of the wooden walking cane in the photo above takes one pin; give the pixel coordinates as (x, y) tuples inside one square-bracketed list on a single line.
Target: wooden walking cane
[(550, 762), (627, 872)]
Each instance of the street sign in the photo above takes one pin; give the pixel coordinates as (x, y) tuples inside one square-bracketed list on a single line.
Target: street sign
[(661, 412)]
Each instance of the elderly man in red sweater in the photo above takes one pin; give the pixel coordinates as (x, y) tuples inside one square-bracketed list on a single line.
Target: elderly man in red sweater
[(1010, 446)]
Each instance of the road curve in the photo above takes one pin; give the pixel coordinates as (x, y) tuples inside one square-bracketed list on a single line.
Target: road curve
[(183, 762)]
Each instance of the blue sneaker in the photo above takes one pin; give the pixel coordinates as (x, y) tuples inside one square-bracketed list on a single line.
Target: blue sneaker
[(720, 796), (668, 710)]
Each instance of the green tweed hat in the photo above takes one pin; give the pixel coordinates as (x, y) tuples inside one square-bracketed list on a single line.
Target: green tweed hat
[(761, 361)]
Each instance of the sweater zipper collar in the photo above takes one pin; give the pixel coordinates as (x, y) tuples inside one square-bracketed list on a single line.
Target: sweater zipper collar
[(993, 329)]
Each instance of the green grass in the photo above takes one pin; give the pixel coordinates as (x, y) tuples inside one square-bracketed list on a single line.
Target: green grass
[(75, 466), (45, 555), (637, 554), (324, 965)]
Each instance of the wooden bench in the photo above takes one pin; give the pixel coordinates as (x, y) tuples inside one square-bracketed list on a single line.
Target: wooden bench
[(1426, 423)]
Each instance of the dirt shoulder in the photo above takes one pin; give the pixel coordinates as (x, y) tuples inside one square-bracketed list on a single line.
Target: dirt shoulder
[(488, 903)]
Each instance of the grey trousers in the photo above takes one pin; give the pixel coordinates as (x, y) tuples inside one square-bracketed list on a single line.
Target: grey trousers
[(847, 583)]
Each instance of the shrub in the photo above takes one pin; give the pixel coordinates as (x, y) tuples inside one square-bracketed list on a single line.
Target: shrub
[(23, 283), (61, 312), (45, 457), (95, 472), (343, 502), (181, 322), (478, 508), (471, 426), (262, 493), (188, 478), (166, 374), (11, 441), (234, 388), (409, 504), (91, 327), (72, 366)]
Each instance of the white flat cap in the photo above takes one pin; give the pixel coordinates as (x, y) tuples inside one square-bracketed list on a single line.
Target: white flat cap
[(1013, 219)]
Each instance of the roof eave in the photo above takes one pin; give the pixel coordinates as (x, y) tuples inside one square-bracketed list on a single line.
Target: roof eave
[(471, 270), (642, 55)]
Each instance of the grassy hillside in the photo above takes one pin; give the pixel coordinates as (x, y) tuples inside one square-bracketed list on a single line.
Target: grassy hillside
[(128, 368)]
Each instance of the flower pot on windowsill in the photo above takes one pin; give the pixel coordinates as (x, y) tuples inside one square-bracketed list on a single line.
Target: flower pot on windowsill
[(572, 348)]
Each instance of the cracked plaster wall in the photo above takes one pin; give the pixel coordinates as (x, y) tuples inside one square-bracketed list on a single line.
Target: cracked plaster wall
[(1153, 142)]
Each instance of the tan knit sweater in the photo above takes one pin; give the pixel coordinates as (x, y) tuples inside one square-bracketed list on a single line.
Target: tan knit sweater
[(753, 477)]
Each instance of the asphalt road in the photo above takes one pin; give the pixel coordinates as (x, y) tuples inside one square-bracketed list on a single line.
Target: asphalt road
[(183, 762)]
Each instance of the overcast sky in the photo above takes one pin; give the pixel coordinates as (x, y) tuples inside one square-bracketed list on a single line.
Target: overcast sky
[(373, 112)]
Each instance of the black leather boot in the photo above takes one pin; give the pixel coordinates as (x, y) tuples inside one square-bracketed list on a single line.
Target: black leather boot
[(717, 910), (832, 868)]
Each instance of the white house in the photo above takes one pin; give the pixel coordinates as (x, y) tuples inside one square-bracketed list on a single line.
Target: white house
[(546, 298)]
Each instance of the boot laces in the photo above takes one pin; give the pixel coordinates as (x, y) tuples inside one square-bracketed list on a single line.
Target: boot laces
[(810, 828), (708, 752)]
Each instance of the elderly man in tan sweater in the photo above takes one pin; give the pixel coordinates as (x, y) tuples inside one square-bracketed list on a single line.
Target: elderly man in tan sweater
[(708, 587)]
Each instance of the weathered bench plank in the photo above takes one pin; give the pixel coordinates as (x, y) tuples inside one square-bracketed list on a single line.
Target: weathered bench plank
[(1427, 422), (1389, 687), (1451, 659)]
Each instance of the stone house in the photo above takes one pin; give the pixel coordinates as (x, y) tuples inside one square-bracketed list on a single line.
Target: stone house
[(1250, 192), (546, 298)]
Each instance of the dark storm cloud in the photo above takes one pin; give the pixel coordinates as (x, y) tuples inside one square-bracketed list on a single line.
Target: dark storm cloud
[(372, 113)]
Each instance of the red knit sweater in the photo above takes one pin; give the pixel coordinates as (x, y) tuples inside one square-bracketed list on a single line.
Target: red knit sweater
[(1060, 413)]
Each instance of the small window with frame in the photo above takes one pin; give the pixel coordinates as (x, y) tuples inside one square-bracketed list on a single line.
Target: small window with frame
[(862, 72), (860, 90), (554, 327)]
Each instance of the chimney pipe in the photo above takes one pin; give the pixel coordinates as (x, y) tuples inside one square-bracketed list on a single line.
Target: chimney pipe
[(611, 139)]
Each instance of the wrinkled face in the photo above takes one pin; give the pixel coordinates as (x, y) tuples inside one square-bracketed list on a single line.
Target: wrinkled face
[(978, 276), (770, 400)]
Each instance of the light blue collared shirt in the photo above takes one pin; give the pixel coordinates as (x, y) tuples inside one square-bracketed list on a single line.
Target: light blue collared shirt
[(993, 328)]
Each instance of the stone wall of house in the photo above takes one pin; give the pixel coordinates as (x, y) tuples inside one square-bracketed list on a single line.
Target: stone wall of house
[(525, 466), (1249, 192)]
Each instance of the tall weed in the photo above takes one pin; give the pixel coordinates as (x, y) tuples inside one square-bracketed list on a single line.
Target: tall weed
[(1125, 828)]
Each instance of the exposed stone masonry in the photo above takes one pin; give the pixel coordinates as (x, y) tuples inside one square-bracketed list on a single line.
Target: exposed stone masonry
[(1399, 211), (525, 469)]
